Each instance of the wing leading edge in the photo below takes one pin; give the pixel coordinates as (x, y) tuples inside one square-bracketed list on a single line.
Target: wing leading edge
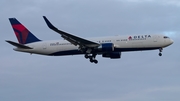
[(71, 38)]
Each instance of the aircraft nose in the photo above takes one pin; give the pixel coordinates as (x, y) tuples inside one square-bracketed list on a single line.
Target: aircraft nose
[(171, 41)]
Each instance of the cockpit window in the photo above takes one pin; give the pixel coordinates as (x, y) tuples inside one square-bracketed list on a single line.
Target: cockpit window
[(166, 37)]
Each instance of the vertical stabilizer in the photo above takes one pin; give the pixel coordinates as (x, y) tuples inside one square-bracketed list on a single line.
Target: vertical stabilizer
[(23, 35)]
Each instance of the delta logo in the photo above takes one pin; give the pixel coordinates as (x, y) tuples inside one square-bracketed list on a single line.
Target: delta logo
[(139, 37)]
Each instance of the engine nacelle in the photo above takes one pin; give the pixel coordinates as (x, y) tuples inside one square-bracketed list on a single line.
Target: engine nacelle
[(112, 55), (106, 47)]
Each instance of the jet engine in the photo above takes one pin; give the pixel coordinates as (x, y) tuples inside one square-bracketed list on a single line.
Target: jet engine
[(106, 47), (112, 55)]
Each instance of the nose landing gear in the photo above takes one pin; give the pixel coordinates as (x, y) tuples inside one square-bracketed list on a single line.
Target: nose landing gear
[(160, 54), (160, 51)]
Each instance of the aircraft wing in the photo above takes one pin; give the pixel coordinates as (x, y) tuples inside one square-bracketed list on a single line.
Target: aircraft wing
[(71, 38)]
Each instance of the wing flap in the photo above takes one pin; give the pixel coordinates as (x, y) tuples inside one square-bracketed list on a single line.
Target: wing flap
[(71, 38)]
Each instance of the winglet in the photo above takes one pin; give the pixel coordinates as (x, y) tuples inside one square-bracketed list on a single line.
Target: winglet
[(51, 26)]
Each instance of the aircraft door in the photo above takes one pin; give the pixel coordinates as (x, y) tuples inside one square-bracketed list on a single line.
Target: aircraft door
[(155, 38), (44, 46)]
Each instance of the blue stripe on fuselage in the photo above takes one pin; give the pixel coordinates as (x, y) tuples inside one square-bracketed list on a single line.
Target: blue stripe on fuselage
[(77, 52), (69, 52)]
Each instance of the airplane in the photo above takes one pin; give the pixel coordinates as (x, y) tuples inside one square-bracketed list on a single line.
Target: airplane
[(109, 47)]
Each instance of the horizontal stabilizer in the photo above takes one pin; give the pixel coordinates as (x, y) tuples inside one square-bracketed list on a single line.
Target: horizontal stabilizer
[(18, 45)]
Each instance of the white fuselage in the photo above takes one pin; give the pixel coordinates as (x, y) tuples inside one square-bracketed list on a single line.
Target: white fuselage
[(121, 44)]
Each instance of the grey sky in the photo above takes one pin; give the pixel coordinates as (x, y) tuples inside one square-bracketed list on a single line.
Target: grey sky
[(137, 76)]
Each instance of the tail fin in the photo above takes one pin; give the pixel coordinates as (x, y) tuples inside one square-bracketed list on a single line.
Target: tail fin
[(23, 35)]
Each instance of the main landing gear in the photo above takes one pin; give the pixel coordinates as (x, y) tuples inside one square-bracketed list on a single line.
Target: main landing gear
[(160, 51), (91, 58)]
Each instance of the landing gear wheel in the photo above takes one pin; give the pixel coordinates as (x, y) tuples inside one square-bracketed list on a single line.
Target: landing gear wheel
[(160, 54), (86, 56), (91, 60), (95, 61)]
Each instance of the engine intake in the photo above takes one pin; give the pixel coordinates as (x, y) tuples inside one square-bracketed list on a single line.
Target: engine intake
[(107, 47)]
